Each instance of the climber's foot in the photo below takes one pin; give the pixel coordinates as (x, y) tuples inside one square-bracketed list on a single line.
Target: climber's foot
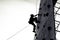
[(34, 31)]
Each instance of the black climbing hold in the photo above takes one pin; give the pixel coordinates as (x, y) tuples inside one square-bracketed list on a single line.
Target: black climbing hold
[(44, 26), (51, 39), (39, 14), (37, 27), (36, 37), (49, 28), (47, 14), (48, 6), (40, 4), (44, 4), (40, 8), (44, 15), (43, 39), (35, 34)]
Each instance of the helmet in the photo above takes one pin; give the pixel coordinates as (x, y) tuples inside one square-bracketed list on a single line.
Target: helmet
[(32, 15)]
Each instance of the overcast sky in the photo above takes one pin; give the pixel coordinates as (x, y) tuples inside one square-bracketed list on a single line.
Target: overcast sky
[(14, 16)]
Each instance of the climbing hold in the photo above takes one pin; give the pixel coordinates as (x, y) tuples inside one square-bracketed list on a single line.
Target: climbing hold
[(39, 14), (44, 26), (43, 39), (48, 6), (44, 15), (35, 34), (40, 8), (49, 28), (51, 39), (37, 27), (47, 14), (36, 37)]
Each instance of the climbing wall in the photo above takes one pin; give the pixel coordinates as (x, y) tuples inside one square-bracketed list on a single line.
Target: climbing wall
[(46, 28)]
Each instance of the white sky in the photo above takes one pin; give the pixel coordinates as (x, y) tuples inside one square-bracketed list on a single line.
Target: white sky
[(14, 16)]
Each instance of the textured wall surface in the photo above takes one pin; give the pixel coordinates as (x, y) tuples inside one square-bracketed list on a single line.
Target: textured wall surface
[(46, 28)]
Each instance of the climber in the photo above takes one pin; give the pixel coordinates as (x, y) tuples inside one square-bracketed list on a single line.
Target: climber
[(32, 20)]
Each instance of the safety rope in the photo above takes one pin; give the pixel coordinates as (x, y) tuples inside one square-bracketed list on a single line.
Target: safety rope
[(17, 32)]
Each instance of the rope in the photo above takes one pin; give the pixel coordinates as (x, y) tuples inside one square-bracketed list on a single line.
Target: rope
[(36, 9), (36, 6), (17, 32)]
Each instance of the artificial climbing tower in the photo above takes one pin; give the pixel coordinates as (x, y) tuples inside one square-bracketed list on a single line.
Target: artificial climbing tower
[(45, 30)]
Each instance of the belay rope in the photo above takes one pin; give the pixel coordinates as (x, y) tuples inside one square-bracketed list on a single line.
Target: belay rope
[(17, 32)]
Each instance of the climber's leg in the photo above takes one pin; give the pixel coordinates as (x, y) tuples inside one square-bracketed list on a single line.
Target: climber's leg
[(37, 20), (34, 26)]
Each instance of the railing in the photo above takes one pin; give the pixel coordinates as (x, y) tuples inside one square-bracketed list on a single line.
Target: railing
[(56, 13)]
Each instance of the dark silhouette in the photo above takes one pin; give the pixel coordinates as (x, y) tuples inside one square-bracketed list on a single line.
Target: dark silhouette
[(32, 20)]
